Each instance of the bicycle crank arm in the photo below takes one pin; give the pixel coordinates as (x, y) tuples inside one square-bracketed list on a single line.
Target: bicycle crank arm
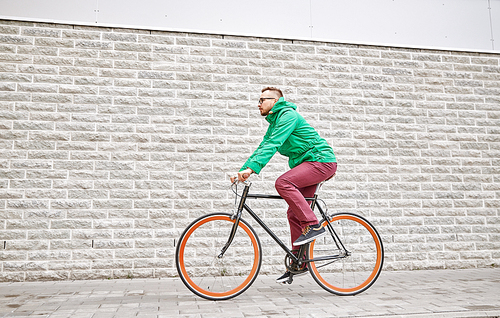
[(326, 258)]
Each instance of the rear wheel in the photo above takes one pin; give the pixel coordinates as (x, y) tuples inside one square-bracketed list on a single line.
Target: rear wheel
[(352, 272), (198, 262)]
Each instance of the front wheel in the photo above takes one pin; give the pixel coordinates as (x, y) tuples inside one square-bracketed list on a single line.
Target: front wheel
[(351, 270), (198, 262)]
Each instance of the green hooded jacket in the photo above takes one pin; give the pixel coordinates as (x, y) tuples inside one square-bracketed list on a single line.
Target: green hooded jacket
[(290, 135)]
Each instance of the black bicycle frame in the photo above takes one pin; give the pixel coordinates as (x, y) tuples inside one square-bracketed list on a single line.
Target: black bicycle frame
[(243, 206)]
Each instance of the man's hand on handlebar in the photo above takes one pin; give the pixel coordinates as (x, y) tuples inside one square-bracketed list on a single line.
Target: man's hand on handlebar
[(242, 175)]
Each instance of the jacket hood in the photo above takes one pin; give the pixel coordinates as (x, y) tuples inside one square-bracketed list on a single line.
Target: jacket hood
[(280, 105)]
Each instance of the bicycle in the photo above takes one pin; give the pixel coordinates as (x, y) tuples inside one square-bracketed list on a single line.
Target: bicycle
[(219, 255)]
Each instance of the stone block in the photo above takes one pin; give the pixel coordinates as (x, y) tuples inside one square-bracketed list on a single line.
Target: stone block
[(113, 141)]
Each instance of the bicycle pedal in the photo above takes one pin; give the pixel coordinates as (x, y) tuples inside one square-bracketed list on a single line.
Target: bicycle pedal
[(289, 280)]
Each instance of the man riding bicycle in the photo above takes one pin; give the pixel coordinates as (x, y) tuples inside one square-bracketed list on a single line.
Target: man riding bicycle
[(310, 158)]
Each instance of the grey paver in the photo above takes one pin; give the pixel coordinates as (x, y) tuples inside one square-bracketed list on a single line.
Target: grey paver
[(434, 293)]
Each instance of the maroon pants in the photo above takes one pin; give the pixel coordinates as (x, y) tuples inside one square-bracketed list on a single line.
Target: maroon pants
[(298, 183)]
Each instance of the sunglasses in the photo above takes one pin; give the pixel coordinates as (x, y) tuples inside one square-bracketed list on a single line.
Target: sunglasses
[(261, 100)]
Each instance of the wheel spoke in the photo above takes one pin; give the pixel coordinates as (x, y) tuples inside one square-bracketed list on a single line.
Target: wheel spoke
[(199, 265), (353, 271)]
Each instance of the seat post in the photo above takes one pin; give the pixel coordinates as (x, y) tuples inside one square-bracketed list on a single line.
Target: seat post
[(318, 187)]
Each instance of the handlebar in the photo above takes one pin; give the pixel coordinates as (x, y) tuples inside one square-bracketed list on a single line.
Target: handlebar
[(234, 179), (236, 182)]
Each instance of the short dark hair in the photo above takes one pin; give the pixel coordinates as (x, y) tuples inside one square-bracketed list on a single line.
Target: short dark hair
[(273, 89)]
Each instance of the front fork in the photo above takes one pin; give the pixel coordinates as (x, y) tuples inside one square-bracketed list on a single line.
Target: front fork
[(236, 217)]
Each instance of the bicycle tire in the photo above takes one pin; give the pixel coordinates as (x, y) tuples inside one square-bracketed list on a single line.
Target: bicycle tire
[(354, 273), (199, 266)]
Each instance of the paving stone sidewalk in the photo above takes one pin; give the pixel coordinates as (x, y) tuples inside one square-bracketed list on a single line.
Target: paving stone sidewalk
[(436, 293)]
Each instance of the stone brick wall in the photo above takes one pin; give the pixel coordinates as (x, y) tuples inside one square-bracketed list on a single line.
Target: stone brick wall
[(113, 140)]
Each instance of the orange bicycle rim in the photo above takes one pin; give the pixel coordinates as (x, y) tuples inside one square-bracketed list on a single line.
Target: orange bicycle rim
[(210, 293), (375, 269)]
